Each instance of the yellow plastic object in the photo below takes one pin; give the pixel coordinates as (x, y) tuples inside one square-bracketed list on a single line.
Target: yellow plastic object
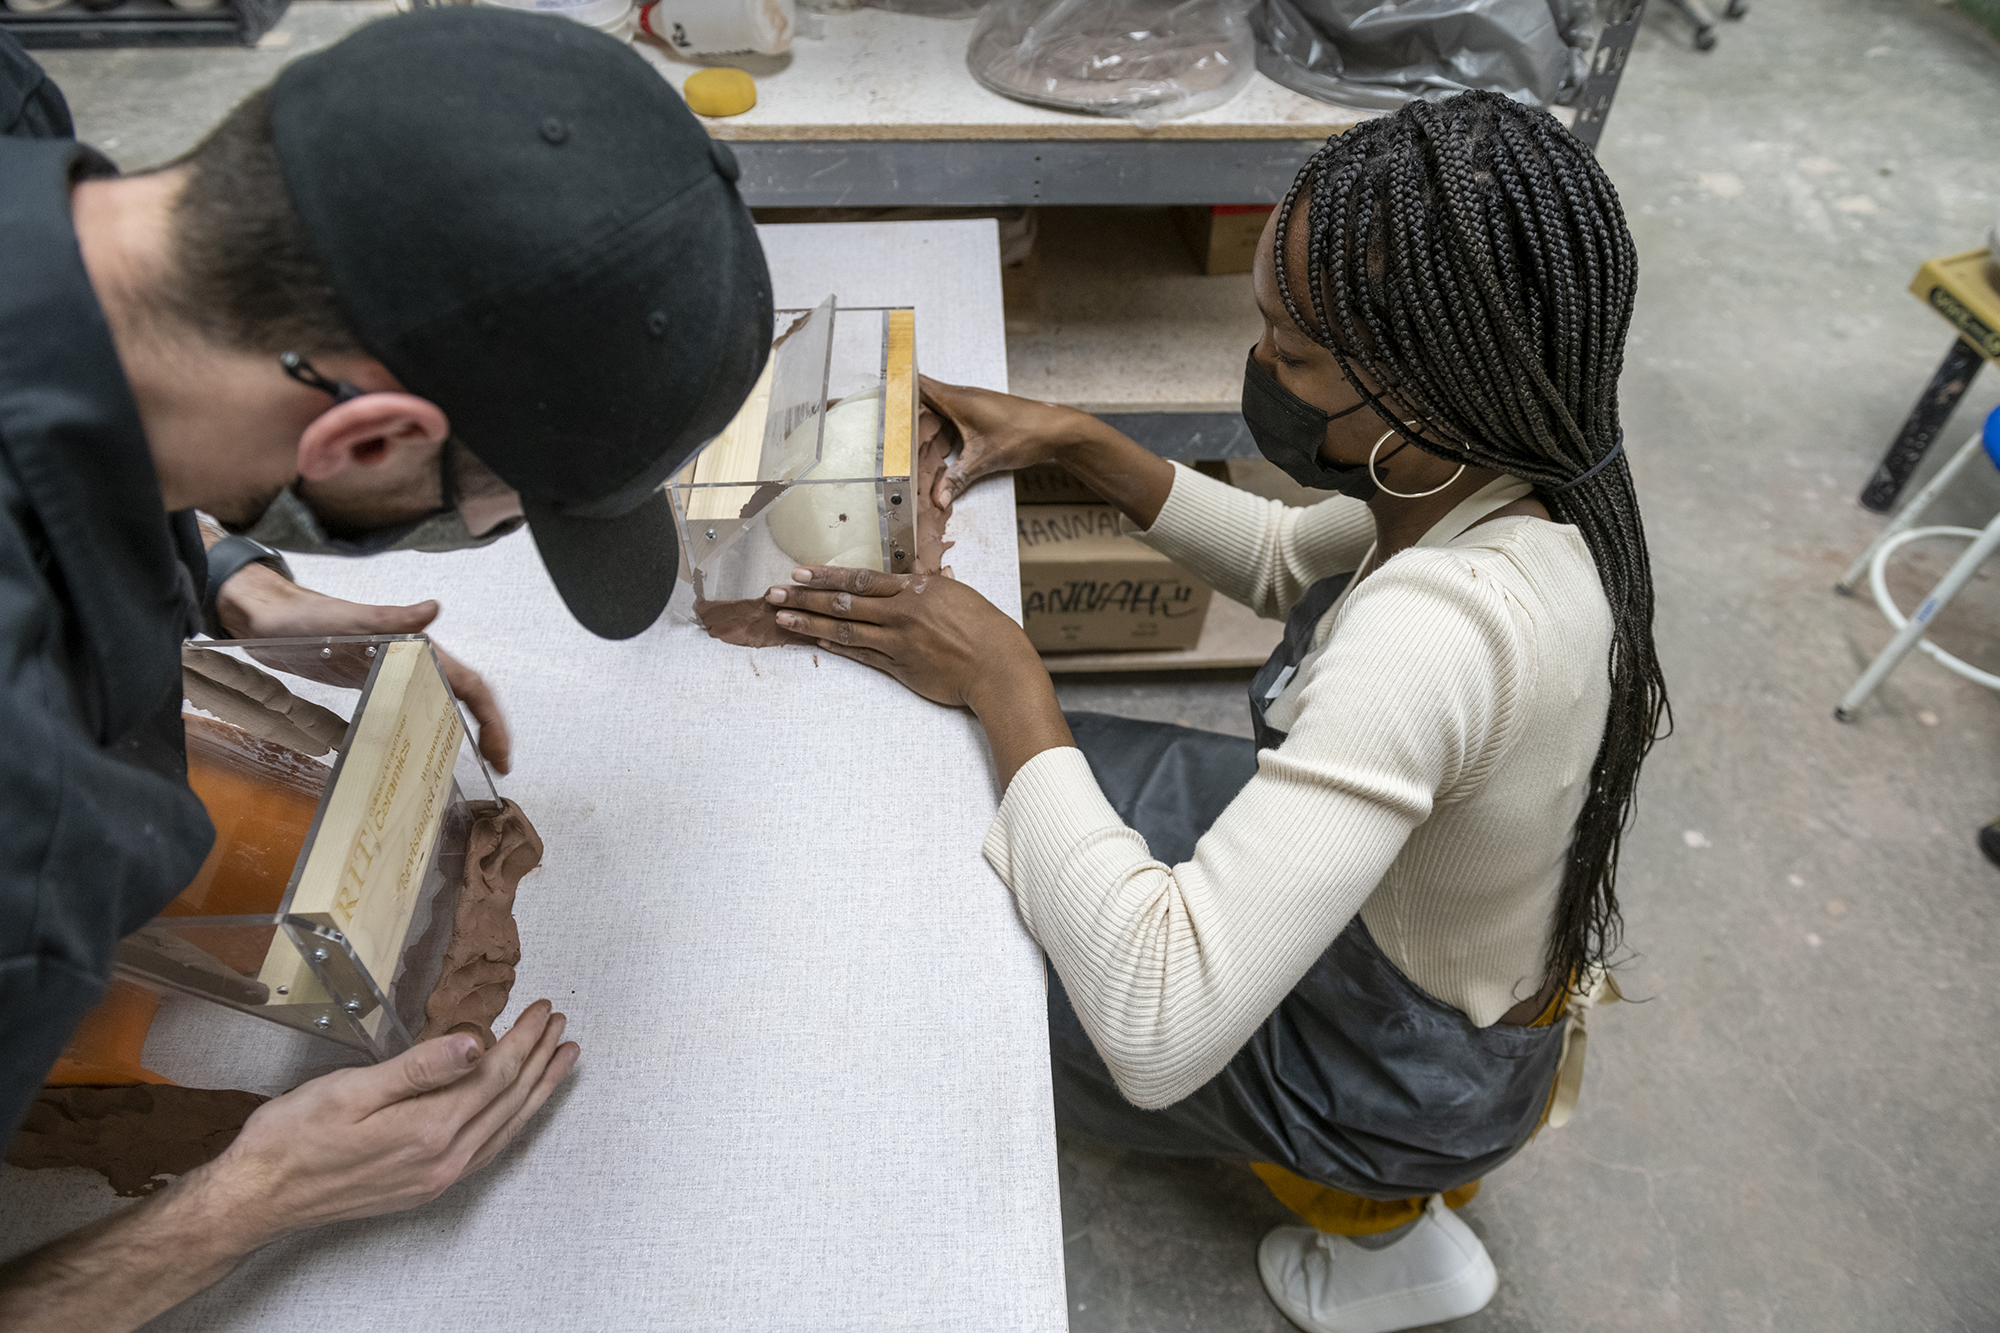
[(1958, 288), (719, 92)]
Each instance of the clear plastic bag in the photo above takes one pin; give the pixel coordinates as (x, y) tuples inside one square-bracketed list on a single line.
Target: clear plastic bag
[(936, 9), (1379, 54), (1147, 60)]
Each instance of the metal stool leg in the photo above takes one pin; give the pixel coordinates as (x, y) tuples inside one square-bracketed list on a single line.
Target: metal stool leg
[(1696, 13), (1927, 418), (1907, 516), (1607, 64), (1906, 638)]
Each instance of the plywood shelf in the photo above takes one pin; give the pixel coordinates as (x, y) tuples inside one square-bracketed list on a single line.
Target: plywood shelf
[(877, 75)]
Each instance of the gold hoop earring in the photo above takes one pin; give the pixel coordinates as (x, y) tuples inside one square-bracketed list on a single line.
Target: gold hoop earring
[(1405, 495)]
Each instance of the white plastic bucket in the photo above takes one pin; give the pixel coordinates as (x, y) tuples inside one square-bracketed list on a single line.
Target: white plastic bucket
[(722, 27)]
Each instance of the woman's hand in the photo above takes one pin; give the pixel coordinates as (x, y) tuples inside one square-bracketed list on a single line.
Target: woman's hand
[(257, 602), (1001, 433), (932, 633), (941, 639)]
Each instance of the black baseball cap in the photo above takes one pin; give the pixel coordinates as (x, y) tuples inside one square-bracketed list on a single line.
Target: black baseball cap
[(527, 226)]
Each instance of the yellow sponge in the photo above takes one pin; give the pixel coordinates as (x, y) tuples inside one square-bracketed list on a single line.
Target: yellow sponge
[(719, 92)]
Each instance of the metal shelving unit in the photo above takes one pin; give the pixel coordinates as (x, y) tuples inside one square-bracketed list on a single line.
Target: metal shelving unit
[(144, 23)]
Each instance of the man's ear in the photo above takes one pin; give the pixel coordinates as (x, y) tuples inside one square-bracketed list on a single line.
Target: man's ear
[(364, 431)]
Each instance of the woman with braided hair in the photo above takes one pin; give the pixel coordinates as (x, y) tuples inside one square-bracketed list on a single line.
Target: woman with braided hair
[(1354, 952)]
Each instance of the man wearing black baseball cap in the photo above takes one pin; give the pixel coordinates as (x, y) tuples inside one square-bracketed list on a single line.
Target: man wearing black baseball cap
[(465, 269)]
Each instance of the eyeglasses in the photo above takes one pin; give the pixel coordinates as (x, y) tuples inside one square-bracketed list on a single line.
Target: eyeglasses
[(302, 370)]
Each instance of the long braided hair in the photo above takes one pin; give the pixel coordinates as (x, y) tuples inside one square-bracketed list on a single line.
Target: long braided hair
[(1471, 258)]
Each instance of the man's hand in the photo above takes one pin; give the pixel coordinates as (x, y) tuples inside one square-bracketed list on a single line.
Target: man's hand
[(359, 1142), (354, 1143), (259, 603)]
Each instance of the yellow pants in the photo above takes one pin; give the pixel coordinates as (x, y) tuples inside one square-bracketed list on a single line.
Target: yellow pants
[(1345, 1214)]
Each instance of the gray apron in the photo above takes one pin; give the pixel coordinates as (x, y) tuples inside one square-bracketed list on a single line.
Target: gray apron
[(1358, 1079)]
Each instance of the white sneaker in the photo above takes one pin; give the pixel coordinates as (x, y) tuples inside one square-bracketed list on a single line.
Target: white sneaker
[(1328, 1284)]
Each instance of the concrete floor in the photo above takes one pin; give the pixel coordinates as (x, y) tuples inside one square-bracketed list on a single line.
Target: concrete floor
[(1796, 1127)]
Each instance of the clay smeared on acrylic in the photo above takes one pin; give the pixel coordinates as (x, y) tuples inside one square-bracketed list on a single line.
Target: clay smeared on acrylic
[(753, 622), (485, 948), (134, 1136), (258, 702), (937, 440)]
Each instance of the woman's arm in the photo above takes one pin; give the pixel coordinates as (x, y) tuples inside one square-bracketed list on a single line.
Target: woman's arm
[(1258, 552), (1171, 968), (1017, 706), (1002, 433), (1262, 553), (1120, 469)]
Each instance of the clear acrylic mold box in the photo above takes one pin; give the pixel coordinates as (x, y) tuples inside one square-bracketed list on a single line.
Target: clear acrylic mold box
[(328, 899), (818, 466)]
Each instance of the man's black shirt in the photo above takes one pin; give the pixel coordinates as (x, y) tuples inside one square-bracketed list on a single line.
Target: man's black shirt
[(31, 105), (96, 594)]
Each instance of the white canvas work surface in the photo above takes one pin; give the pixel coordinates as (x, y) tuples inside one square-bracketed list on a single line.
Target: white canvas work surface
[(814, 1090)]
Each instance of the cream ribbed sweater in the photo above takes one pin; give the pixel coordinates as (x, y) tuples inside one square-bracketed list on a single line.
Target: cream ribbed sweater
[(1443, 740)]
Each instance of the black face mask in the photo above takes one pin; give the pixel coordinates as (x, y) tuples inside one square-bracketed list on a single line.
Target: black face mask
[(290, 524), (1290, 432)]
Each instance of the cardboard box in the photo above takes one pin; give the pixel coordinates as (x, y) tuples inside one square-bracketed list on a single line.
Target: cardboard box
[(1051, 484), (1084, 588), (1223, 236)]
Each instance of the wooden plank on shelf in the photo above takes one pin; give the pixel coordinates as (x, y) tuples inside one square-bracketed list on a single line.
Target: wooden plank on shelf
[(1232, 639)]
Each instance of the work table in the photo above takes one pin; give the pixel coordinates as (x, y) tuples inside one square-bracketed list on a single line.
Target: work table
[(814, 1089)]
